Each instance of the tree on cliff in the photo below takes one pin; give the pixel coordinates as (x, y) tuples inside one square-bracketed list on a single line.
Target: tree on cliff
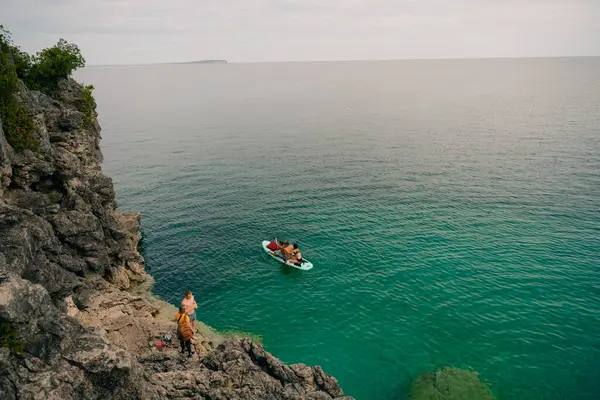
[(40, 72), (46, 68), (53, 64)]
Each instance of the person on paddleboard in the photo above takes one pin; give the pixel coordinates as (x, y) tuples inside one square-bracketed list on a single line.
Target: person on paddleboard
[(296, 255), (285, 248), (286, 251)]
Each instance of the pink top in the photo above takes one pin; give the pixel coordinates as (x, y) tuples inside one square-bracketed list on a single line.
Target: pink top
[(190, 304)]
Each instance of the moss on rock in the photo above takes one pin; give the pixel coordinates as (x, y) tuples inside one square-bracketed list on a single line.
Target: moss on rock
[(450, 383), (87, 105), (9, 338), (233, 333)]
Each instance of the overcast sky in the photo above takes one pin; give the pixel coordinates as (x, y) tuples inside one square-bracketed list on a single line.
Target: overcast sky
[(149, 31)]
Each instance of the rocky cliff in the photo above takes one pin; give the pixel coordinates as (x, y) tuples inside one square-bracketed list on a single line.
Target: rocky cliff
[(77, 319)]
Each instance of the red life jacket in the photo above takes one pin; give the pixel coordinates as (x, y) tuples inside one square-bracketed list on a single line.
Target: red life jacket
[(273, 246)]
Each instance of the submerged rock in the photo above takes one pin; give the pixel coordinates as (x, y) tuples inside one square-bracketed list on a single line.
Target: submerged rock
[(450, 384)]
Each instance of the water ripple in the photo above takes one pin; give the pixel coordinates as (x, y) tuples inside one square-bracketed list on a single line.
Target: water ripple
[(453, 219)]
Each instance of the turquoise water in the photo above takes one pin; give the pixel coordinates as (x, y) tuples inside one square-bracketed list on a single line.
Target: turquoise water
[(451, 210)]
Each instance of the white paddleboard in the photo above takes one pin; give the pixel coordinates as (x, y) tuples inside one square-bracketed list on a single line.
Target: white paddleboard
[(306, 265)]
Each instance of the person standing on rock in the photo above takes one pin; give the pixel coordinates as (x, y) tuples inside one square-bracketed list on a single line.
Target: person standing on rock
[(190, 307), (185, 332)]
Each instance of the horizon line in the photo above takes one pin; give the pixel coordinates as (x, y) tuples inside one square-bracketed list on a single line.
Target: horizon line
[(334, 61)]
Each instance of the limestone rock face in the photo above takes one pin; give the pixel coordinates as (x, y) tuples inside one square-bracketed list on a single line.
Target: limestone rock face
[(66, 258), (58, 202)]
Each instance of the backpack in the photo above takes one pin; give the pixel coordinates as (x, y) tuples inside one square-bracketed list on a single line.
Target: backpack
[(185, 331)]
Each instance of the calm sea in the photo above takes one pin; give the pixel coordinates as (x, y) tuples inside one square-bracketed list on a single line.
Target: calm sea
[(451, 210)]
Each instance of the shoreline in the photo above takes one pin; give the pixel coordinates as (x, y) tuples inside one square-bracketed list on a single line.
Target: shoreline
[(166, 312)]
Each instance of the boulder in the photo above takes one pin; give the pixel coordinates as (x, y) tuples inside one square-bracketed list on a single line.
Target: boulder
[(449, 383)]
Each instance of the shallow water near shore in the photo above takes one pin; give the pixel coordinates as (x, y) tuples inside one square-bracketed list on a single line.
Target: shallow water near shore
[(451, 210)]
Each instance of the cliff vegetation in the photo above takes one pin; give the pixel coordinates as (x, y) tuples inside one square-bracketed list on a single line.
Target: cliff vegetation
[(41, 72)]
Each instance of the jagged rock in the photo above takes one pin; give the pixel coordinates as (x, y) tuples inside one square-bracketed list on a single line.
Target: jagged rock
[(29, 307), (70, 120), (249, 366), (118, 277), (9, 379), (22, 302), (6, 156), (58, 281), (81, 230), (71, 263)]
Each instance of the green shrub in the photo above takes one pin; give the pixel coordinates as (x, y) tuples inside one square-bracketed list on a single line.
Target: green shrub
[(9, 338), (40, 72), (16, 121), (54, 196), (87, 104), (18, 127), (23, 63), (51, 65), (44, 70)]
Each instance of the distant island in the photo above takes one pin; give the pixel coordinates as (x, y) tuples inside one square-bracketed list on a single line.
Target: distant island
[(204, 62)]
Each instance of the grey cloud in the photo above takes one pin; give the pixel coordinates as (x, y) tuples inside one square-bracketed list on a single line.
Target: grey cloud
[(137, 31)]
